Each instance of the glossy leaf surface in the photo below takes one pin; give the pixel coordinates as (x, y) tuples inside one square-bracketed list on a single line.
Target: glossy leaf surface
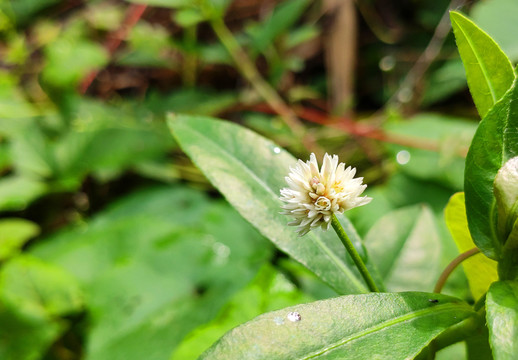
[(406, 248), (488, 70), (495, 142), (376, 325), (249, 171), (480, 270), (502, 319)]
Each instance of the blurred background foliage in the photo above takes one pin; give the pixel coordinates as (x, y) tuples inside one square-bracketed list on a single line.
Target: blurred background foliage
[(114, 246)]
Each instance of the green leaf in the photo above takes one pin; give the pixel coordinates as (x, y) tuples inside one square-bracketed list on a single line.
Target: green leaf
[(495, 142), (452, 135), (155, 266), (405, 246), (25, 335), (65, 65), (249, 171), (502, 319), (12, 103), (269, 291), (13, 234), (480, 270), (282, 18), (32, 295), (398, 326), (188, 17), (16, 192), (455, 351), (39, 287), (488, 70)]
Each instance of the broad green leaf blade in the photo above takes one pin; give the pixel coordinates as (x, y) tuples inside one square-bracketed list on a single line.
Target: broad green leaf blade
[(249, 171), (406, 248), (369, 326), (32, 296), (154, 266), (502, 319), (25, 335), (15, 232), (495, 142), (38, 287), (480, 270), (488, 70)]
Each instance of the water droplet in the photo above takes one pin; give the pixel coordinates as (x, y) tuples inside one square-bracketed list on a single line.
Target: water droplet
[(387, 63), (222, 253), (278, 320), (294, 316), (403, 157), (276, 150)]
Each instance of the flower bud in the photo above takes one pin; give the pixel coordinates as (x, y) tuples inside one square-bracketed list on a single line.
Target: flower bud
[(506, 193)]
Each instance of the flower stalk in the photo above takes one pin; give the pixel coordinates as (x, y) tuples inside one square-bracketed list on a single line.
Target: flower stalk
[(354, 254)]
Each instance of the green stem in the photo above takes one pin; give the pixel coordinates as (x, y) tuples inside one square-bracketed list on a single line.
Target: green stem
[(354, 254)]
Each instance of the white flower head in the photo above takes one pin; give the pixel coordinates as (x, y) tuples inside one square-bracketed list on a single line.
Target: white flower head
[(314, 195)]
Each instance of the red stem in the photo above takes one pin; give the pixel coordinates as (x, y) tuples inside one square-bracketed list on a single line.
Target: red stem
[(360, 130), (133, 14)]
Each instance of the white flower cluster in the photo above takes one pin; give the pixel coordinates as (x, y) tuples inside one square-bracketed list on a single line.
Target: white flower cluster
[(314, 195)]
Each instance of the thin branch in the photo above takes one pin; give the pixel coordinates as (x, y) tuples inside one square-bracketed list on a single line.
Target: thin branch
[(408, 89), (452, 266), (364, 131)]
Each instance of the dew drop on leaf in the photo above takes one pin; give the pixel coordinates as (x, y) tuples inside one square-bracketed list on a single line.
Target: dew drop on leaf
[(294, 316)]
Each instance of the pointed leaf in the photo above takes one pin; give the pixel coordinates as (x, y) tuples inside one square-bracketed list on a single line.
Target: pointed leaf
[(480, 270), (398, 326), (495, 142), (488, 70), (406, 248), (14, 232), (249, 171), (502, 319)]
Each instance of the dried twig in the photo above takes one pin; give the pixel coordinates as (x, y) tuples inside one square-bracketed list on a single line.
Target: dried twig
[(341, 54), (409, 89)]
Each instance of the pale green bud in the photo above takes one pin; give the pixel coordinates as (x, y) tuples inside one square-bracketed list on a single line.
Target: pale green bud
[(506, 193)]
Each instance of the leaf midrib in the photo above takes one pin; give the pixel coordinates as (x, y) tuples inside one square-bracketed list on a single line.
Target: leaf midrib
[(385, 324), (481, 64), (313, 237)]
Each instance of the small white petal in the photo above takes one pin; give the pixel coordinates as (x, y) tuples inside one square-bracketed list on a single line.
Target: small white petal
[(313, 195)]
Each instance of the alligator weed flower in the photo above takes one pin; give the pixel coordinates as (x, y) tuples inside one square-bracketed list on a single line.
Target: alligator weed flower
[(314, 195)]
